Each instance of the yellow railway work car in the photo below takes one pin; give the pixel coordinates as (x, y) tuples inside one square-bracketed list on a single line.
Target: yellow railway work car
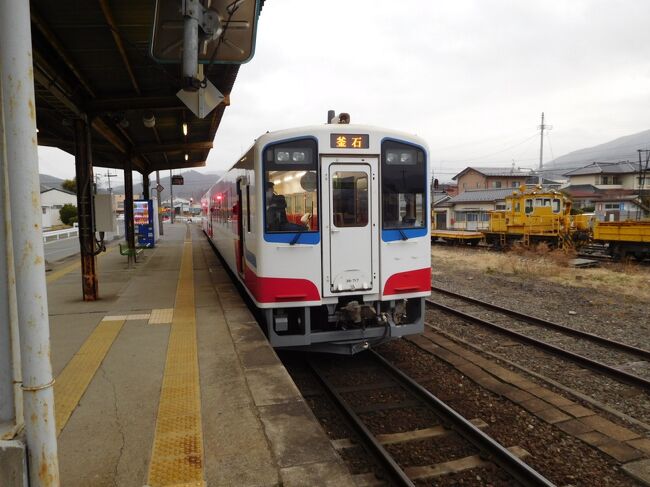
[(533, 216), (625, 238)]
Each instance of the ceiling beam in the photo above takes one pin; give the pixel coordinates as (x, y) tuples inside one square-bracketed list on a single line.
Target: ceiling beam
[(180, 147), (108, 15), (120, 104), (40, 24)]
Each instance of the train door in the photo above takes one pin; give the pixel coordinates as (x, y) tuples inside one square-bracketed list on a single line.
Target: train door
[(237, 213), (350, 238)]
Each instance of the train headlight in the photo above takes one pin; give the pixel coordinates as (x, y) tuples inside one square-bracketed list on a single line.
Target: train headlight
[(282, 156), (406, 157), (392, 157), (298, 156)]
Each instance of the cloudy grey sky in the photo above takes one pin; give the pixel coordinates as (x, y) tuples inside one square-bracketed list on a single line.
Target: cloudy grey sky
[(469, 76)]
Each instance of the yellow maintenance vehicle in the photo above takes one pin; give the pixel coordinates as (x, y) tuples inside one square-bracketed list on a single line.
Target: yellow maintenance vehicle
[(537, 215), (624, 239)]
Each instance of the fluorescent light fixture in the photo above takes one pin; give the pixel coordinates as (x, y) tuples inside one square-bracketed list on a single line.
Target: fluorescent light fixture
[(277, 181), (288, 178), (184, 128), (187, 157)]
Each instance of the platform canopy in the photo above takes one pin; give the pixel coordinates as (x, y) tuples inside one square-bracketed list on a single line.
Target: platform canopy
[(92, 61)]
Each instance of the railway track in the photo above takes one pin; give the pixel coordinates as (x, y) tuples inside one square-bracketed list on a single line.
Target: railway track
[(437, 420), (521, 327)]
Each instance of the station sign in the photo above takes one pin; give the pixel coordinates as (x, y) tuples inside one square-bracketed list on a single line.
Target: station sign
[(349, 141), (177, 180)]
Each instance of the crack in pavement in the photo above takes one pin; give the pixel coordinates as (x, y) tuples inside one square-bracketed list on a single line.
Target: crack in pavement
[(119, 426)]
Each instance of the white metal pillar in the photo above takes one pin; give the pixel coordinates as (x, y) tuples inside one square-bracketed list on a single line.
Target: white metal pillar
[(22, 157), (11, 397)]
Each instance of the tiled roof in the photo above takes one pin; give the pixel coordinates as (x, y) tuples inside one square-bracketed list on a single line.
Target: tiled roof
[(604, 168), (494, 171), (482, 195)]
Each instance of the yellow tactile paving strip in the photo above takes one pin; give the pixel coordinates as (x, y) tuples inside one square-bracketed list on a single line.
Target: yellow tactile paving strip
[(161, 316), (177, 455), (72, 382)]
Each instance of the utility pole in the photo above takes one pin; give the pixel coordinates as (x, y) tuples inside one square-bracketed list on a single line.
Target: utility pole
[(541, 148), (160, 218), (108, 176)]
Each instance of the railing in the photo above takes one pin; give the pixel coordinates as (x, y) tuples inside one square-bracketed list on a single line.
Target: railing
[(60, 234)]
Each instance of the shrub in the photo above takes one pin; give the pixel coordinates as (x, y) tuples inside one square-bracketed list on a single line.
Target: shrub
[(68, 214)]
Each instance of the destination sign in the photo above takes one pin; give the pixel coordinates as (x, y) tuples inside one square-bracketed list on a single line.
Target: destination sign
[(349, 141)]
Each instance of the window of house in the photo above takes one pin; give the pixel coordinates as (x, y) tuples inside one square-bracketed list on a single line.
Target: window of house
[(514, 184), (613, 206), (500, 206), (496, 184)]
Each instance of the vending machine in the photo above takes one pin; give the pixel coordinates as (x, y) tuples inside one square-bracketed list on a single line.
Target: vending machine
[(144, 216)]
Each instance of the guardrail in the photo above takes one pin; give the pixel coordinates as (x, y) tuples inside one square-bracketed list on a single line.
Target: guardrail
[(60, 234)]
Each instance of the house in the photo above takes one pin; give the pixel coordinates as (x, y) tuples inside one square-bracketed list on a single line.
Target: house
[(473, 178), (614, 191), (52, 200), (470, 210)]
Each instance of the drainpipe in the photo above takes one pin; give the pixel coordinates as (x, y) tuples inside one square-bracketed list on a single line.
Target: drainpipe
[(25, 199)]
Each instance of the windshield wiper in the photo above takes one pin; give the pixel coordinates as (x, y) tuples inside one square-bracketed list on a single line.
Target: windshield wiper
[(401, 232), (295, 239)]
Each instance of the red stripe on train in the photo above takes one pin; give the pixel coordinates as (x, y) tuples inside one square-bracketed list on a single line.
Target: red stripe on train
[(279, 289), (416, 281)]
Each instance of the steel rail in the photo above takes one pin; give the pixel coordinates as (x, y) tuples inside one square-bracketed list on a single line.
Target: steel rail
[(580, 359), (548, 324), (387, 461), (490, 449)]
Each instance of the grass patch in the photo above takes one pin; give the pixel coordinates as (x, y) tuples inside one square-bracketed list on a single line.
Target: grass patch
[(544, 264)]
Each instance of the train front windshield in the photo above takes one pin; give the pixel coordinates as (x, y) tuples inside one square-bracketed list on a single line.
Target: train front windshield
[(291, 184), (404, 181)]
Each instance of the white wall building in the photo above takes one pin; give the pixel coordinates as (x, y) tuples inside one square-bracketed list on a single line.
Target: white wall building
[(52, 200)]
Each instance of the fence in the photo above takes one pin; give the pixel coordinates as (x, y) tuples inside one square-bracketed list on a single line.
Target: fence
[(60, 234)]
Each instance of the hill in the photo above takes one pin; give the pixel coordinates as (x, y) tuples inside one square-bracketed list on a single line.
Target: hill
[(195, 185), (621, 149), (50, 181)]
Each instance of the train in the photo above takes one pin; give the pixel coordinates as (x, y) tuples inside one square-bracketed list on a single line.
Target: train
[(326, 228), (534, 215)]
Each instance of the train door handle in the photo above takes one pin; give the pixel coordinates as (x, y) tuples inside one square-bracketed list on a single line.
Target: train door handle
[(334, 230)]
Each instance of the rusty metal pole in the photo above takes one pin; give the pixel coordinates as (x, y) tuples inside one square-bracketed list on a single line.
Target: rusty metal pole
[(26, 220), (84, 172), (160, 217), (145, 186), (128, 205)]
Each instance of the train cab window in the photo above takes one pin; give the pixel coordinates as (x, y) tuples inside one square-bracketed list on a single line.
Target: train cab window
[(291, 182), (403, 186), (350, 199), (528, 208), (556, 205)]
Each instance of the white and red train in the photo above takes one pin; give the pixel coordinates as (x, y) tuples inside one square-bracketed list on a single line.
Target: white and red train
[(327, 229)]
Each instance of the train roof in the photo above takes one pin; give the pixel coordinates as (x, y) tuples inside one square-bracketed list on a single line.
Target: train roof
[(342, 128)]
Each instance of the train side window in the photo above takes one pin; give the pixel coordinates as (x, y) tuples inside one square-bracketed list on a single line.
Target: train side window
[(529, 206), (403, 186), (291, 185)]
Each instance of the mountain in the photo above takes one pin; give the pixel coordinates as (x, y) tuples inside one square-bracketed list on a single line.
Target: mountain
[(50, 181), (195, 185), (621, 149)]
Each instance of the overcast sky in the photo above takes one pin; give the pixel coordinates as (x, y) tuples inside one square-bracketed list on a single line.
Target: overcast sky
[(469, 76)]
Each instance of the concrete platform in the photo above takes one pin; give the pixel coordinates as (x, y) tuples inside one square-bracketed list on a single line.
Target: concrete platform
[(168, 380)]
